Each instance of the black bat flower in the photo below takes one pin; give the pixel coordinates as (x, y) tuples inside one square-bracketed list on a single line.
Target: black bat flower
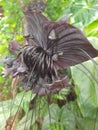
[(51, 46)]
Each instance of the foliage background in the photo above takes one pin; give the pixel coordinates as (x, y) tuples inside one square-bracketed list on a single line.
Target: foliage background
[(79, 114)]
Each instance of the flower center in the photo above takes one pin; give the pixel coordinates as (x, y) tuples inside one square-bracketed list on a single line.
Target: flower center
[(39, 62)]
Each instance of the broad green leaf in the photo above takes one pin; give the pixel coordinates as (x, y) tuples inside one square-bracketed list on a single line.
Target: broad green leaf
[(5, 111), (9, 107), (94, 41), (59, 118), (87, 124), (86, 89), (84, 12), (68, 119), (82, 123), (23, 99), (92, 29), (27, 121)]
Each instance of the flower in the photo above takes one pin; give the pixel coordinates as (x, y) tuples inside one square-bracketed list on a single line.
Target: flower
[(51, 46)]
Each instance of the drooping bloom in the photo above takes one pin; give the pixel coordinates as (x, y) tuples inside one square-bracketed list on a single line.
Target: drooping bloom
[(51, 46)]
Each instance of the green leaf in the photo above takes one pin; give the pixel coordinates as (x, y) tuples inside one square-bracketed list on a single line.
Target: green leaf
[(94, 41), (84, 12), (9, 107), (25, 122), (59, 118), (92, 29), (5, 111), (87, 124), (86, 89)]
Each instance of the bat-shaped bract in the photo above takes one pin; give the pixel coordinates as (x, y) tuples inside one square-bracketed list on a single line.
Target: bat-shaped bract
[(51, 46), (68, 44)]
